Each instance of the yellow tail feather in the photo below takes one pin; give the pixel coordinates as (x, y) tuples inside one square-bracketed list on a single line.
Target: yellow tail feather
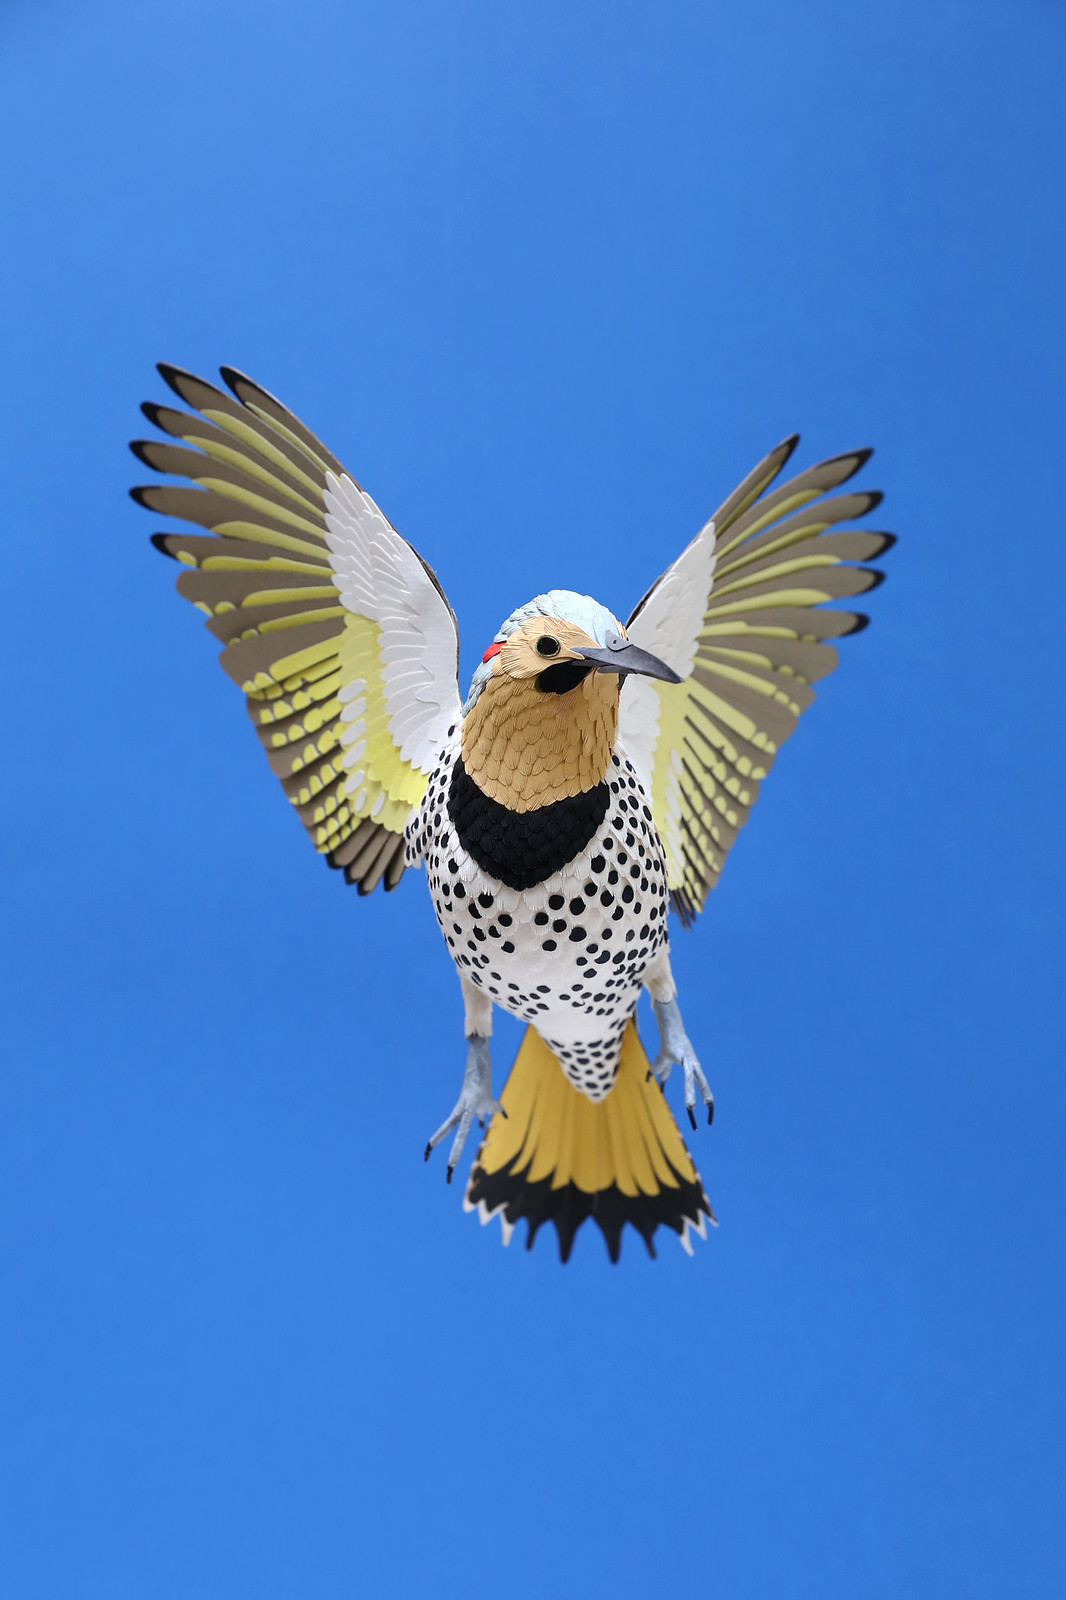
[(558, 1156)]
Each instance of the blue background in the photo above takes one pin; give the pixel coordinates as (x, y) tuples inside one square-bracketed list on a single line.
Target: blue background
[(549, 277)]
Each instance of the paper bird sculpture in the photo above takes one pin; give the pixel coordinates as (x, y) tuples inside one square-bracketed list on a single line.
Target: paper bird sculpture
[(594, 778)]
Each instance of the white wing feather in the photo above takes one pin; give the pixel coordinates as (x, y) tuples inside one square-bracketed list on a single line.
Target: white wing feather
[(380, 577), (669, 626)]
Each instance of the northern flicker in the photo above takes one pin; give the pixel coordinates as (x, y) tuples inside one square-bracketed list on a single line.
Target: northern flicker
[(594, 778)]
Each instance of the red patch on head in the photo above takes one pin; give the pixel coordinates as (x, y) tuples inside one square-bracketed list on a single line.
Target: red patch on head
[(493, 650)]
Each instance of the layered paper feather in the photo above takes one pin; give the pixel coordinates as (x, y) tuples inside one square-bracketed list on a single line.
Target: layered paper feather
[(334, 627), (736, 616)]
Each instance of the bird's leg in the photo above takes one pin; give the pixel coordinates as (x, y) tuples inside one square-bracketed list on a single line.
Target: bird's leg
[(674, 1043), (475, 1097)]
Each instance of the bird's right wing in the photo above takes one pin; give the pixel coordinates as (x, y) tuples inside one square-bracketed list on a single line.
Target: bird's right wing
[(334, 627)]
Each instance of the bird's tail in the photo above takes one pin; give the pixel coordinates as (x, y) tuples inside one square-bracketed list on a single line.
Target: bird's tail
[(559, 1157)]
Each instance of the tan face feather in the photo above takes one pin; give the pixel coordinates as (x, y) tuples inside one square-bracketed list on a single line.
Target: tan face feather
[(526, 747)]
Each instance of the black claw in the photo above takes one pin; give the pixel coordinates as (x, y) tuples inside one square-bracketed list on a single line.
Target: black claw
[(662, 1088), (647, 1075), (429, 1152), (504, 1115), (691, 1115), (450, 1171), (710, 1112)]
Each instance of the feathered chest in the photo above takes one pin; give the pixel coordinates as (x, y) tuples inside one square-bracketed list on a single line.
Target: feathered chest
[(522, 848)]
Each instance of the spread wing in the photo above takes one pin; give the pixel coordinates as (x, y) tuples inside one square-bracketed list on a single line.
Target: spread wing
[(735, 616), (334, 627)]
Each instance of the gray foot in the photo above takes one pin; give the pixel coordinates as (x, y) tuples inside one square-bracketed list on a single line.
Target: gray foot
[(676, 1046), (475, 1100)]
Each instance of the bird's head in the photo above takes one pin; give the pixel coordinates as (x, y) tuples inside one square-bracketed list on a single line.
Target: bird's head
[(541, 718)]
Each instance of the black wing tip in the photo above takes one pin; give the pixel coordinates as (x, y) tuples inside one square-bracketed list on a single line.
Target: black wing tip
[(233, 377), (683, 906), (858, 458), (876, 576), (172, 375), (859, 621), (140, 447), (139, 492), (152, 410), (160, 542), (786, 450)]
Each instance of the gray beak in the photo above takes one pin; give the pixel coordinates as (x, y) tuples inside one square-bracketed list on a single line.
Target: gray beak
[(618, 655)]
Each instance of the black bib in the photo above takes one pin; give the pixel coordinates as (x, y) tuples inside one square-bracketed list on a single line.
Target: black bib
[(522, 848)]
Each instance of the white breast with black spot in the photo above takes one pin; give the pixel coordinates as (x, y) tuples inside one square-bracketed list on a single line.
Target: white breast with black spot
[(568, 955)]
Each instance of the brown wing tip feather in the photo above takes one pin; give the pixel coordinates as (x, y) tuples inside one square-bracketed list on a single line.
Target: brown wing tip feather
[(141, 449), (235, 380), (172, 376), (160, 542)]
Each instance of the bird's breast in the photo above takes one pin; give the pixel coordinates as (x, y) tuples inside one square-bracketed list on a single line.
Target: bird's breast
[(522, 848)]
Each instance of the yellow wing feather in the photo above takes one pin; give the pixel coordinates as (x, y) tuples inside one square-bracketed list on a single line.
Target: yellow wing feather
[(310, 669), (760, 647)]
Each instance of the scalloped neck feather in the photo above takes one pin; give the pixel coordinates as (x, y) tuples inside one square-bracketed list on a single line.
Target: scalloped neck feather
[(525, 748)]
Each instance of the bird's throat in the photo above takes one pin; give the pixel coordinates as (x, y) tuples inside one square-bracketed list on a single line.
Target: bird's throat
[(525, 748)]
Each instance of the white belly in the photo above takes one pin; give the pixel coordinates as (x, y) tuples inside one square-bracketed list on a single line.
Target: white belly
[(568, 955)]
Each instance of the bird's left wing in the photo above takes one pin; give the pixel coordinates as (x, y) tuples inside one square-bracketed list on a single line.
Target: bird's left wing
[(735, 617), (335, 628)]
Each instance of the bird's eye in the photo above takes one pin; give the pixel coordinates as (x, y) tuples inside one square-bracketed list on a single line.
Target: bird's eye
[(547, 646)]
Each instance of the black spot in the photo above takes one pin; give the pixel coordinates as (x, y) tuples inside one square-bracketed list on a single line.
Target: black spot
[(559, 926), (597, 864), (508, 946), (576, 935), (555, 901), (549, 944), (541, 919)]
